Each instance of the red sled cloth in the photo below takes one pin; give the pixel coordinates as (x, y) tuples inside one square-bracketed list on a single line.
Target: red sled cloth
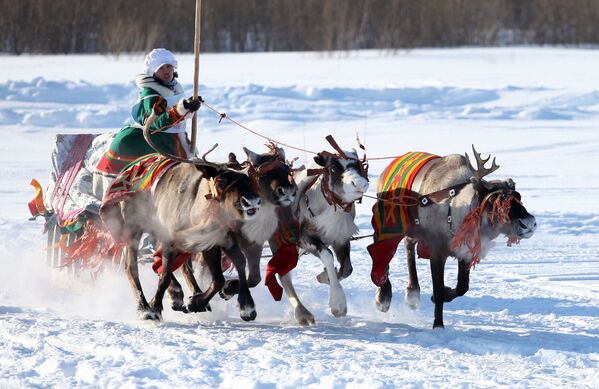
[(282, 262), (381, 253), (180, 259)]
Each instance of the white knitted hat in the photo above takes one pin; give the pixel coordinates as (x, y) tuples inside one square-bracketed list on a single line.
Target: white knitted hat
[(156, 58)]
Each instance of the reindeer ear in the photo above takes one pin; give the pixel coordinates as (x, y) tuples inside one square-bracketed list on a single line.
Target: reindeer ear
[(233, 162), (281, 152), (511, 184), (252, 157), (207, 171), (320, 159)]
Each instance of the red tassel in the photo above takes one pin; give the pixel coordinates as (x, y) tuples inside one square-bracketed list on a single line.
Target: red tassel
[(469, 234), (180, 259), (94, 245), (382, 253), (282, 262)]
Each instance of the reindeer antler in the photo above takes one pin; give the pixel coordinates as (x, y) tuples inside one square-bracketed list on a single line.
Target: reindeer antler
[(204, 161), (481, 170)]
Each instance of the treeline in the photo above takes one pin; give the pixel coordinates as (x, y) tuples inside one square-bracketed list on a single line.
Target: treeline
[(115, 26)]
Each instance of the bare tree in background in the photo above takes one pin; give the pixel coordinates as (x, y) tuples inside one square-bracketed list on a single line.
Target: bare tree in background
[(115, 26)]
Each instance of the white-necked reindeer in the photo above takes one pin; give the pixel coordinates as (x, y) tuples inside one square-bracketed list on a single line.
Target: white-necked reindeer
[(325, 210)]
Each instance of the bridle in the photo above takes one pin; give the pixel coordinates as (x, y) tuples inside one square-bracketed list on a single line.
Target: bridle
[(501, 203), (257, 173), (325, 172), (217, 188)]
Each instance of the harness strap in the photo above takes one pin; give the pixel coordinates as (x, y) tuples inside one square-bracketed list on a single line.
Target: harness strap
[(334, 144), (441, 195)]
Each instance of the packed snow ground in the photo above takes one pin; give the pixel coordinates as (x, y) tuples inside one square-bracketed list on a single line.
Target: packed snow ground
[(530, 318)]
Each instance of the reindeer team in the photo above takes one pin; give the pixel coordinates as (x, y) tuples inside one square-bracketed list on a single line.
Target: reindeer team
[(211, 209)]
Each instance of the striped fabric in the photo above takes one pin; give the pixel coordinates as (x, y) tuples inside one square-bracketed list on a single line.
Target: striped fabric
[(389, 219), (138, 176)]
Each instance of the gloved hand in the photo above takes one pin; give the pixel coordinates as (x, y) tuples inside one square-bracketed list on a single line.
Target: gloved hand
[(189, 105), (192, 104)]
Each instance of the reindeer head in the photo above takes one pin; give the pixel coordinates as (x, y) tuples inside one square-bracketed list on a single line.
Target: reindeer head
[(273, 175), (501, 202), (234, 188), (231, 184), (345, 173)]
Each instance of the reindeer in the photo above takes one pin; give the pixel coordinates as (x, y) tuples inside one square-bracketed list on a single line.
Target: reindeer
[(272, 176), (325, 211), (451, 211), (193, 208)]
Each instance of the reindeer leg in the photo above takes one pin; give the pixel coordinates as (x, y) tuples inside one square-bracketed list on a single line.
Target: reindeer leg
[(192, 283), (246, 303), (462, 285), (168, 254), (438, 297), (122, 221), (199, 301), (384, 295), (252, 253), (337, 301), (345, 266), (412, 294), (143, 308), (302, 315), (175, 292)]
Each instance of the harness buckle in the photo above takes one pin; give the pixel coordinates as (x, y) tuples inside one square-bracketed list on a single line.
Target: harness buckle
[(417, 221), (449, 219), (424, 201), (452, 193)]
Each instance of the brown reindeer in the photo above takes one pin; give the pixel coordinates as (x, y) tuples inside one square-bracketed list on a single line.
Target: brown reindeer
[(444, 205), (191, 208)]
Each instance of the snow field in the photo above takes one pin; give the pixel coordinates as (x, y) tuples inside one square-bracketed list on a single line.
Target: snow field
[(528, 320)]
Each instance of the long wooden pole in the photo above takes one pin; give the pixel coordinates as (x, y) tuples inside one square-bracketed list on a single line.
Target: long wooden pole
[(196, 72)]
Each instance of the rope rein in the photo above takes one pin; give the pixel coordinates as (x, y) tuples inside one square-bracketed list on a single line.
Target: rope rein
[(223, 115)]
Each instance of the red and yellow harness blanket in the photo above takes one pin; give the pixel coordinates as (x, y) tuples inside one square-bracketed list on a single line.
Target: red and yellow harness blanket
[(392, 216), (138, 176), (391, 219)]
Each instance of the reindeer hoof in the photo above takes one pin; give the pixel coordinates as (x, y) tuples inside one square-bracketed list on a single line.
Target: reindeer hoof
[(197, 308), (230, 289), (340, 312), (150, 315), (323, 277), (303, 316), (248, 314), (448, 295), (197, 304), (438, 325), (383, 297), (344, 272), (412, 297), (225, 296), (307, 321), (179, 306)]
